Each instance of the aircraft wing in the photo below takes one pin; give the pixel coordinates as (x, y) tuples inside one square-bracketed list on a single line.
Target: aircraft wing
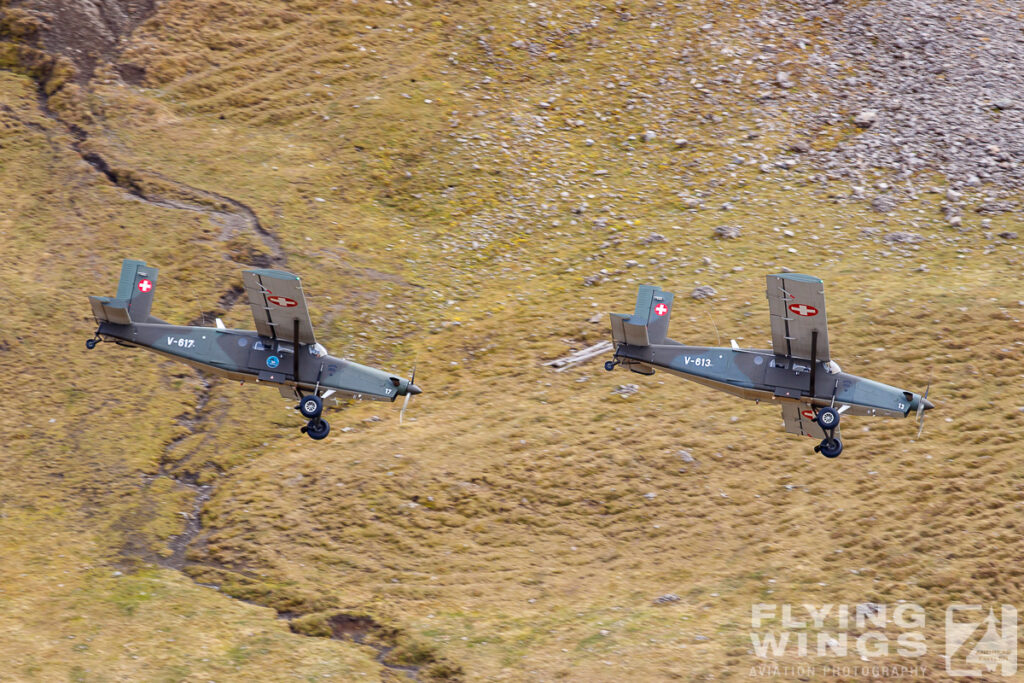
[(796, 304), (799, 419), (277, 303)]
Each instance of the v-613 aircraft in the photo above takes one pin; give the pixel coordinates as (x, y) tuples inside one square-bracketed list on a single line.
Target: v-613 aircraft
[(798, 373), (281, 352)]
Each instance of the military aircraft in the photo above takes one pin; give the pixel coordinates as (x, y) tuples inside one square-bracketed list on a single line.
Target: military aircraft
[(281, 352), (798, 373)]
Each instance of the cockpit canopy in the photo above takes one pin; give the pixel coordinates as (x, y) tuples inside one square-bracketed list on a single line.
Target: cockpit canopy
[(832, 368), (317, 350)]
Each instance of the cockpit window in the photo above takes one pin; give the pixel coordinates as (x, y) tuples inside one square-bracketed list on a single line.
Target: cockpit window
[(317, 350), (832, 368)]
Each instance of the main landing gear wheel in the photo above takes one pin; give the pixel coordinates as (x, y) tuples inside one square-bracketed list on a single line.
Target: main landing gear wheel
[(311, 406), (317, 428), (828, 418), (90, 344), (830, 447)]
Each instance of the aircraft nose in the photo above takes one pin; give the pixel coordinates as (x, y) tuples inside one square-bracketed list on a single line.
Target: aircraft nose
[(413, 389), (928, 405)]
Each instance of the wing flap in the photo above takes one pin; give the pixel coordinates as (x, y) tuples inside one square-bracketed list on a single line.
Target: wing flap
[(278, 304), (799, 419)]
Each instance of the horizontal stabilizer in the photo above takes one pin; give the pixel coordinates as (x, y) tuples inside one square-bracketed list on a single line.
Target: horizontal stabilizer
[(105, 309), (625, 331)]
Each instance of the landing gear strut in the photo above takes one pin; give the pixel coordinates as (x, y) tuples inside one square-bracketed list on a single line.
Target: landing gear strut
[(831, 446)]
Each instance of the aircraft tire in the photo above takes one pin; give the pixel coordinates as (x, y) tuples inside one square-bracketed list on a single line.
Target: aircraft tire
[(311, 406), (318, 429), (831, 448), (609, 365), (828, 418), (90, 344)]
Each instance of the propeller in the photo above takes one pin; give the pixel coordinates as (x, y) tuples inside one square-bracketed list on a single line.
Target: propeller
[(409, 391), (923, 406)]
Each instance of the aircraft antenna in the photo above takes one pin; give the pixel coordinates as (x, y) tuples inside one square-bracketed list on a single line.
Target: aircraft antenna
[(199, 305), (718, 336)]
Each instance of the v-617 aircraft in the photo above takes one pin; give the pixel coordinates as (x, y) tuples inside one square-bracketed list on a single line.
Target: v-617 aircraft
[(281, 352), (798, 373)]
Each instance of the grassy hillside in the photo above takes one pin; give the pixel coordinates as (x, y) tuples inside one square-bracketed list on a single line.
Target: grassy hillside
[(463, 188)]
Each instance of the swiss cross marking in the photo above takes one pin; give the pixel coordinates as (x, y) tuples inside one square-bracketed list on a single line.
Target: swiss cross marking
[(145, 286), (803, 309), (661, 309), (282, 301)]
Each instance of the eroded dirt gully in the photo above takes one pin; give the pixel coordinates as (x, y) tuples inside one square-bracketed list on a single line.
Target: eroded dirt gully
[(60, 43)]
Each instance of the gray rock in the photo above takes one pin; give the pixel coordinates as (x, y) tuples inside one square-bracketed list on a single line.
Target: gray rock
[(686, 457), (883, 204), (867, 609), (649, 136), (1008, 235), (866, 118), (727, 232), (995, 207), (626, 389), (784, 79), (654, 237), (900, 237), (703, 292), (666, 599)]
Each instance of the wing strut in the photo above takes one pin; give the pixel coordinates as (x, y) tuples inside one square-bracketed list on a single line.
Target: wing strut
[(814, 358), (295, 352)]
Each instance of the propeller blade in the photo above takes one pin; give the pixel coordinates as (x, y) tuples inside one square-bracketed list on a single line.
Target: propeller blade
[(408, 395), (921, 408), (405, 404)]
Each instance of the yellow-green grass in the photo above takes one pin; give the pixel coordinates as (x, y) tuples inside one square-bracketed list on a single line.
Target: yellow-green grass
[(504, 528)]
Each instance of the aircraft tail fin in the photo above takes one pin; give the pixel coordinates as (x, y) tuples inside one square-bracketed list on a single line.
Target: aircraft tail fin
[(134, 297), (649, 322)]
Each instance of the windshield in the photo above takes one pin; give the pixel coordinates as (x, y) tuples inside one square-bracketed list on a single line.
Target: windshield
[(317, 350)]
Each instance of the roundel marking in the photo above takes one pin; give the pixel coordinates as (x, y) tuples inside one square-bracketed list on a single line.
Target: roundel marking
[(273, 361), (145, 286), (803, 309), (661, 309), (282, 301)]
